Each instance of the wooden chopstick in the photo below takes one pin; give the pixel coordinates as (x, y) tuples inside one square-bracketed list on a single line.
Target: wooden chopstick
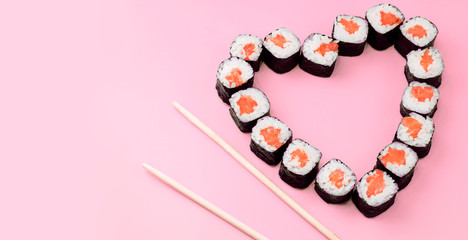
[(204, 203), (259, 175)]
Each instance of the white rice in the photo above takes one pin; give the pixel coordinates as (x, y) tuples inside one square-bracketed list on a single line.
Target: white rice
[(411, 158), (342, 35), (312, 43), (265, 122), (323, 178), (412, 103), (291, 47), (293, 165), (391, 188), (263, 105), (226, 67), (237, 46), (414, 63), (374, 17), (430, 28), (424, 135)]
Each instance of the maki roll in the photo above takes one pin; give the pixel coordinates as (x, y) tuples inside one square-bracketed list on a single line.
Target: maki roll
[(420, 98), (399, 161), (318, 55), (375, 193), (384, 20), (416, 131), (247, 106), (233, 74), (249, 48), (351, 32), (281, 53), (416, 33), (269, 139), (300, 164), (335, 182), (425, 65)]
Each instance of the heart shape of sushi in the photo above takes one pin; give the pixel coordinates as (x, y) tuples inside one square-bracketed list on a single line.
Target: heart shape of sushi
[(272, 140)]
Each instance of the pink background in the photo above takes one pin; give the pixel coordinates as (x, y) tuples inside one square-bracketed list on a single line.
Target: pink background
[(85, 98)]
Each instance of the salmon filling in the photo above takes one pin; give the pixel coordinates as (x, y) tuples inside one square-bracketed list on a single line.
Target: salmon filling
[(235, 77), (426, 60), (271, 136), (376, 183), (413, 125), (389, 18), (394, 156), (301, 156), (279, 40), (336, 178), (421, 93), (246, 105), (326, 47), (248, 50), (350, 26), (417, 31)]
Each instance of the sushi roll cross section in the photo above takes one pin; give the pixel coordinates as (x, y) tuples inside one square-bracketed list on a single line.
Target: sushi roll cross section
[(416, 131), (399, 161), (318, 55), (269, 139), (335, 182), (375, 193), (416, 33), (281, 50), (384, 20), (420, 98), (249, 48), (425, 65), (351, 32), (300, 164), (233, 74), (247, 106)]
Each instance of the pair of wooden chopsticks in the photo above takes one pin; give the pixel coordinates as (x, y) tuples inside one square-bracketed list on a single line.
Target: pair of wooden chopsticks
[(259, 175)]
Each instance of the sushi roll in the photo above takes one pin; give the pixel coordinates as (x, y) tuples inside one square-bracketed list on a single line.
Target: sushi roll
[(420, 98), (281, 50), (318, 55), (269, 139), (351, 32), (384, 20), (335, 182), (233, 74), (425, 65), (375, 193), (247, 106), (416, 131), (300, 164), (249, 48), (416, 33), (399, 161)]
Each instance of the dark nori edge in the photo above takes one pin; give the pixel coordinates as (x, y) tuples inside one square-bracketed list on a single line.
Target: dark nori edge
[(271, 158), (330, 198), (225, 93), (296, 180), (280, 65), (380, 41), (371, 211), (245, 127), (348, 49), (404, 45), (433, 81), (405, 111), (401, 181), (315, 68), (421, 151)]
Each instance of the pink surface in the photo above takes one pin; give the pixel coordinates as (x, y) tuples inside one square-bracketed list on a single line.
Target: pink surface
[(85, 97)]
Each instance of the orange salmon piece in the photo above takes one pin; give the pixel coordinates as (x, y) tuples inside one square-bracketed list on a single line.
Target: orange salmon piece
[(350, 26), (301, 157), (271, 136), (421, 93), (278, 40), (417, 31), (413, 125), (389, 18), (248, 48), (426, 60), (326, 47), (235, 77), (246, 104), (336, 178), (376, 183), (394, 156)]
